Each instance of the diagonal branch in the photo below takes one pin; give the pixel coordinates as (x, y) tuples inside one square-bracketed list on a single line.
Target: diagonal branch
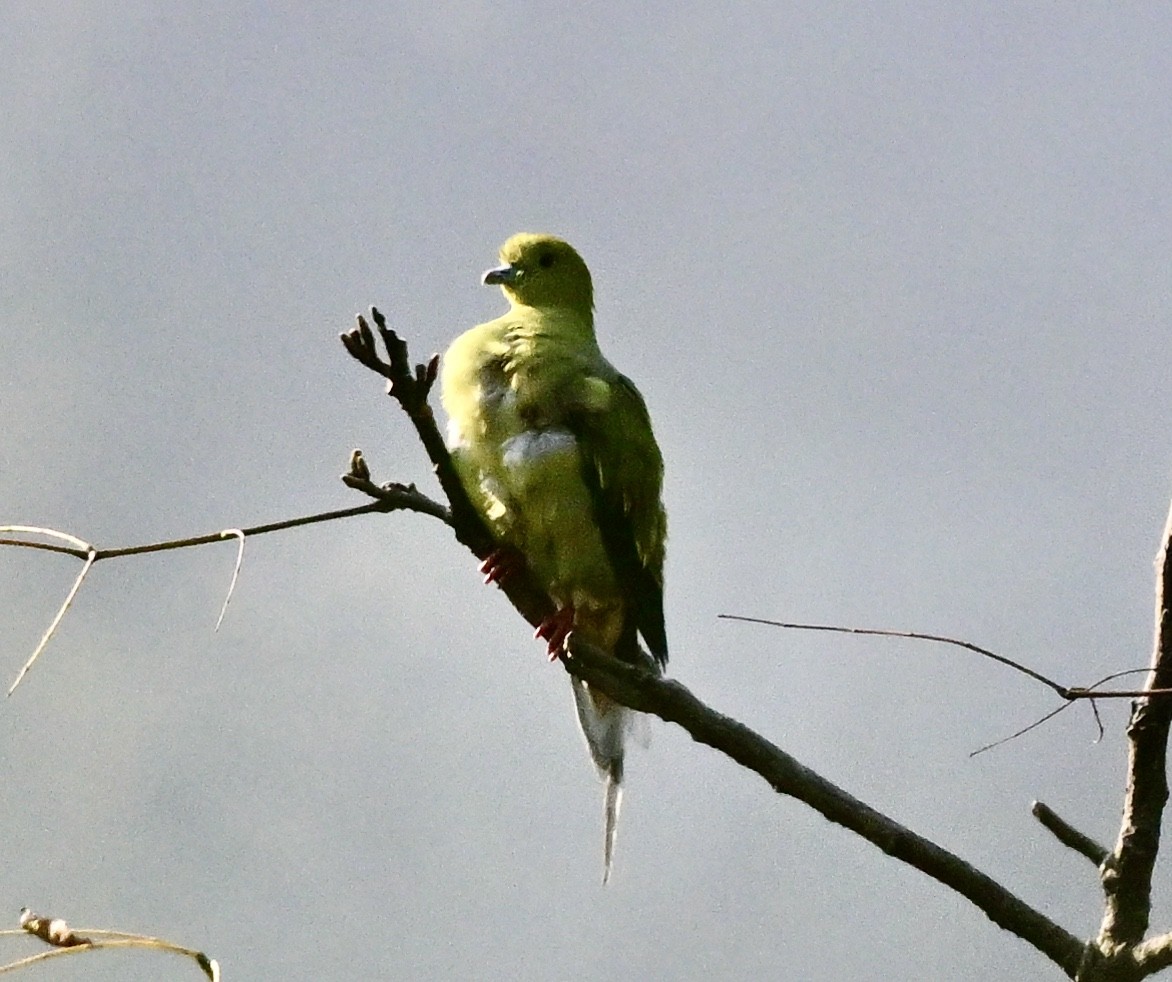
[(671, 701), (647, 692)]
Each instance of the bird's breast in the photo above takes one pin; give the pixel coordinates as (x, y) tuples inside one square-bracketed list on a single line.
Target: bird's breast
[(534, 446)]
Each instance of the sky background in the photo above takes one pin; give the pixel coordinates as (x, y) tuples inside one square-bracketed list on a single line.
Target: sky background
[(894, 280)]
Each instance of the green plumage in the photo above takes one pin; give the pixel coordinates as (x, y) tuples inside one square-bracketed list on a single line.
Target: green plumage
[(555, 448)]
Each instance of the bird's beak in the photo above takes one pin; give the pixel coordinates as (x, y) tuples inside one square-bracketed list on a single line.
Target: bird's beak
[(502, 276)]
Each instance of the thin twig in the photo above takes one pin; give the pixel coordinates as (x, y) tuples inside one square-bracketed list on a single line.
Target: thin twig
[(44, 546), (199, 540), (89, 562), (209, 966), (390, 498), (1070, 693), (56, 932), (1024, 730), (1098, 721), (1089, 694), (239, 535), (81, 546), (1062, 690), (389, 502)]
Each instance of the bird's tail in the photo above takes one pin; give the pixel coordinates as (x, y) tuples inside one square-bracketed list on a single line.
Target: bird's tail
[(604, 724)]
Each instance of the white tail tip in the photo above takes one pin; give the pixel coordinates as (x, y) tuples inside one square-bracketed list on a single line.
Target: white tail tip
[(614, 799)]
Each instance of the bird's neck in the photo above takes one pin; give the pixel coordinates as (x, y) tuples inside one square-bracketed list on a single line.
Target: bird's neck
[(572, 321)]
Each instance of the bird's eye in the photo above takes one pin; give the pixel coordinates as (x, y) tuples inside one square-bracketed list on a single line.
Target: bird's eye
[(546, 260)]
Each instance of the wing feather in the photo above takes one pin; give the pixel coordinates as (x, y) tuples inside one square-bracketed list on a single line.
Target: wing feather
[(623, 470)]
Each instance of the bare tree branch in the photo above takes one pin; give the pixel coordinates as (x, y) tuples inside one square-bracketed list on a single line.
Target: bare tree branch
[(65, 941), (410, 388), (1127, 872), (389, 498), (403, 499), (877, 632), (1119, 952), (1071, 693), (1067, 834), (671, 701), (1153, 955), (647, 692)]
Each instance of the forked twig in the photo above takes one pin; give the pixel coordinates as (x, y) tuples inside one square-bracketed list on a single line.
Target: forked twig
[(410, 385), (1088, 695), (387, 499), (1070, 693)]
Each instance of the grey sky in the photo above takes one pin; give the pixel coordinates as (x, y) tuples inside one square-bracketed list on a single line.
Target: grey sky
[(894, 279)]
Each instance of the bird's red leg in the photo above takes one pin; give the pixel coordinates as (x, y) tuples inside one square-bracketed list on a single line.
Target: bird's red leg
[(555, 629), (501, 564)]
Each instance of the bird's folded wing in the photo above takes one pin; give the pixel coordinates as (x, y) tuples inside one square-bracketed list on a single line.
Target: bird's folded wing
[(623, 470)]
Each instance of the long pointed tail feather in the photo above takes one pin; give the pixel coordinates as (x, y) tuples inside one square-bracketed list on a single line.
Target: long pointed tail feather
[(604, 724)]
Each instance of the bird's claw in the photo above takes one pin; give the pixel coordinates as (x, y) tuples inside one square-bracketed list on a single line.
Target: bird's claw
[(556, 629), (501, 565)]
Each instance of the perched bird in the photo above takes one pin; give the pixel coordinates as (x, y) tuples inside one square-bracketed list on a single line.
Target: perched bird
[(555, 448)]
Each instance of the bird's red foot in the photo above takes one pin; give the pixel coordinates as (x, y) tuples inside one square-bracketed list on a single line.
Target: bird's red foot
[(556, 629), (502, 564)]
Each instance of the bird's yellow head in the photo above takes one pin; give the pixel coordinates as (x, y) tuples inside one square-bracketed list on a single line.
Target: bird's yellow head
[(543, 271)]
